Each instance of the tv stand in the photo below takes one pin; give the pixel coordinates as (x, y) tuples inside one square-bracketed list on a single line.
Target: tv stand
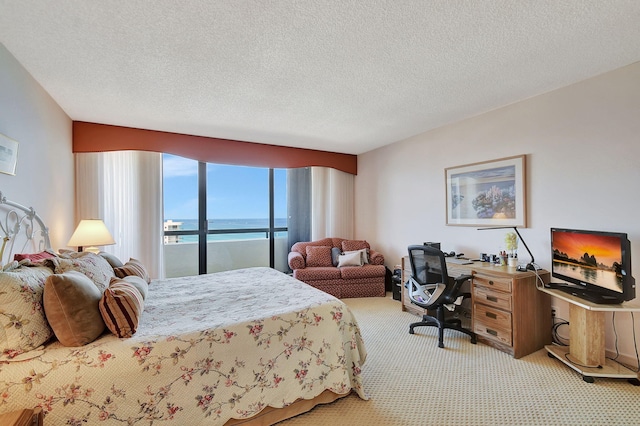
[(586, 353)]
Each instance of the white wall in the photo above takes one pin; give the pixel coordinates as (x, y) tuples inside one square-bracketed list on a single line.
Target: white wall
[(44, 176), (583, 157)]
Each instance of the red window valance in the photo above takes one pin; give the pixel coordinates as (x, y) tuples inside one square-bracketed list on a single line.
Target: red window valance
[(93, 137)]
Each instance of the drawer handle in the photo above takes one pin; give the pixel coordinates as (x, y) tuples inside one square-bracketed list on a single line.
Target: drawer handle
[(491, 315), (490, 282), (492, 332), (492, 298)]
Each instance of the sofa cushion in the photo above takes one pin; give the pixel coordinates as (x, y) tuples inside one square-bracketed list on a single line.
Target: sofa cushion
[(366, 271), (335, 255), (353, 258), (301, 247), (364, 254), (318, 256), (317, 273), (351, 245)]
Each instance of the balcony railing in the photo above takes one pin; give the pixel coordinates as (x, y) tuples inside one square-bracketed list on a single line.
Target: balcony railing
[(181, 258)]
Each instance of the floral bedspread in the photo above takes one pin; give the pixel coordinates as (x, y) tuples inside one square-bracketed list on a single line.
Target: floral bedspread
[(208, 348)]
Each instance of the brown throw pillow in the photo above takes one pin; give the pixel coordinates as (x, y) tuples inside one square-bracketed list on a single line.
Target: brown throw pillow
[(318, 256), (121, 307), (132, 267), (71, 306)]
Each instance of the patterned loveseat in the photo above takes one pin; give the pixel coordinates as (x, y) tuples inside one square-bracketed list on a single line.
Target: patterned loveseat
[(323, 265)]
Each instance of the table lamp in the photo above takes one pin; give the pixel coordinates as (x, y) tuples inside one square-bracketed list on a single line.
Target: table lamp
[(531, 266), (92, 233)]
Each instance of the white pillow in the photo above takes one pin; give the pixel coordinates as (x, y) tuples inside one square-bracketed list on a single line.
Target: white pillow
[(350, 259), (363, 252)]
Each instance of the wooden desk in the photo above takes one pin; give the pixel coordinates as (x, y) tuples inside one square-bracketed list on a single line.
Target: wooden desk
[(26, 417), (508, 312), (586, 353)]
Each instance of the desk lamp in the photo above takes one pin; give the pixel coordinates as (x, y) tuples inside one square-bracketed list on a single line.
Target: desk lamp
[(531, 265), (92, 233)]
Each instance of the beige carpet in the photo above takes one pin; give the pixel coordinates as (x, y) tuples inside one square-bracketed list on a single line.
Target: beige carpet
[(410, 381)]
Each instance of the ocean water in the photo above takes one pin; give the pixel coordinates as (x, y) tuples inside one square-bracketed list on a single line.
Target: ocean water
[(221, 224)]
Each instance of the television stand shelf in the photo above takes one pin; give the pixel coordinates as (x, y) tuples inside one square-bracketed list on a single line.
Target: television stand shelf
[(586, 353)]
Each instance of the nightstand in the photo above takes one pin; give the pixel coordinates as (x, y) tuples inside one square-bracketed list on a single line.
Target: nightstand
[(26, 417)]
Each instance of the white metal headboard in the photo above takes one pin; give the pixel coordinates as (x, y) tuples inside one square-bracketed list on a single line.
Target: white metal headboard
[(21, 230)]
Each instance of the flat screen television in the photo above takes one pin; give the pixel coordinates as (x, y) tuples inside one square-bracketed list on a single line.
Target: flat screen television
[(596, 264)]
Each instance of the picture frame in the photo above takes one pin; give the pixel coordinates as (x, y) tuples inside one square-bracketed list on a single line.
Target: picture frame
[(489, 193), (8, 155)]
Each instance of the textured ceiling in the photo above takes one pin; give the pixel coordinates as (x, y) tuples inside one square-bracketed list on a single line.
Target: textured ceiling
[(344, 76)]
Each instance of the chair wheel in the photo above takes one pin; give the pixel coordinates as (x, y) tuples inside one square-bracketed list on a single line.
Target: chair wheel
[(411, 331), (441, 345)]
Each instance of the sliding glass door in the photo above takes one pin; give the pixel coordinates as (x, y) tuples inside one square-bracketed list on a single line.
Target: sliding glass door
[(221, 217), (180, 192)]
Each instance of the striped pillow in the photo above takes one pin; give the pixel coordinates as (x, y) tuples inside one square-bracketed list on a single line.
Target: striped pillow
[(132, 267), (121, 307)]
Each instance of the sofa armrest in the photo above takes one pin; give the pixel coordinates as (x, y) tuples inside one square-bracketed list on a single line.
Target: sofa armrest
[(376, 258), (296, 261)]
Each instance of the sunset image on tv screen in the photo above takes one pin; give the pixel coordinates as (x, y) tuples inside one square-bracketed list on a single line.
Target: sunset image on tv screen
[(594, 259)]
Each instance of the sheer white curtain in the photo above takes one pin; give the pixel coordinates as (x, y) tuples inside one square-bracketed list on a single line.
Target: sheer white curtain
[(332, 203), (124, 189)]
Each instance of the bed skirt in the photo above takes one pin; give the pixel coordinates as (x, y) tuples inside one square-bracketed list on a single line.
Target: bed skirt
[(270, 415)]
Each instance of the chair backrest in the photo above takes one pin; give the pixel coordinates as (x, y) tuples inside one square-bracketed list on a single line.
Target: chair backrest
[(428, 265)]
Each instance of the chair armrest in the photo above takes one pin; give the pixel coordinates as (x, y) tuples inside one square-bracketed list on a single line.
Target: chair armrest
[(296, 261), (424, 295), (376, 258)]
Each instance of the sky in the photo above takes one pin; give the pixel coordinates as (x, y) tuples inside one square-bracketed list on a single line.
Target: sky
[(606, 249), (233, 192)]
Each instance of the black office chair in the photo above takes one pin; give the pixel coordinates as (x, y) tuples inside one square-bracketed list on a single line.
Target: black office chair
[(430, 288)]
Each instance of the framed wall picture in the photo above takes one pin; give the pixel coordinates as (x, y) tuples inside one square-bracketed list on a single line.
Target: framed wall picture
[(491, 193), (8, 155)]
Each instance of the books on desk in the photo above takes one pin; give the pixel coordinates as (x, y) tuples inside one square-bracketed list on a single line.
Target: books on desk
[(459, 261)]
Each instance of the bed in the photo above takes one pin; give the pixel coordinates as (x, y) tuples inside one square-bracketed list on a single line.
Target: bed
[(250, 346)]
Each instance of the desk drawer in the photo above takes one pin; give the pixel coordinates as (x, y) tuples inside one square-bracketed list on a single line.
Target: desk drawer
[(492, 298), (494, 333), (492, 323), (500, 284)]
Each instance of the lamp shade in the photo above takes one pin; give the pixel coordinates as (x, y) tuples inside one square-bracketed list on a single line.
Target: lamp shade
[(91, 232)]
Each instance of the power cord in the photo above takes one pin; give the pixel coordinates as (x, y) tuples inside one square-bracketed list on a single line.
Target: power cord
[(557, 322), (539, 280), (635, 342), (555, 334)]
